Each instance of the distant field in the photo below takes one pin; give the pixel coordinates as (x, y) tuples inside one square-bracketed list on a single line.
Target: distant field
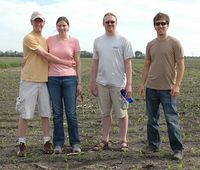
[(7, 62)]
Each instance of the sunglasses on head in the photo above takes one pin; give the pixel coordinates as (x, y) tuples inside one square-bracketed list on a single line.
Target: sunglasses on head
[(110, 22), (161, 23)]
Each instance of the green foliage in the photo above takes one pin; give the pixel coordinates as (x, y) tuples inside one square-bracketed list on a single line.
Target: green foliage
[(86, 54), (11, 53), (8, 62), (139, 54)]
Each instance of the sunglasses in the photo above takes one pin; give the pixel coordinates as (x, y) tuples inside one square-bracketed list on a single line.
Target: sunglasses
[(110, 22), (161, 23)]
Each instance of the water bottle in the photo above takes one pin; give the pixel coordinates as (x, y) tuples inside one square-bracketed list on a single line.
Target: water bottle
[(123, 93)]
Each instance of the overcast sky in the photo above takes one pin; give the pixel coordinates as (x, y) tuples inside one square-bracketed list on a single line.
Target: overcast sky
[(85, 17)]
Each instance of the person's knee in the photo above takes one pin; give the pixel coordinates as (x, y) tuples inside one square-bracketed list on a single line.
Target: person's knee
[(45, 119), (23, 120), (106, 116), (122, 115)]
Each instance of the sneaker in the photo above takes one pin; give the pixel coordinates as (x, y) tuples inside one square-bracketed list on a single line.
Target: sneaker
[(48, 147), (57, 150), (178, 155), (150, 149), (22, 150), (76, 148)]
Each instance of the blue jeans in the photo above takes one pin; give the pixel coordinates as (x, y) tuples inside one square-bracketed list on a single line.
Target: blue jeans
[(63, 89), (153, 100)]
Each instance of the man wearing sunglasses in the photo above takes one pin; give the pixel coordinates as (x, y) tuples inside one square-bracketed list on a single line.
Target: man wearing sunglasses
[(162, 81), (111, 72)]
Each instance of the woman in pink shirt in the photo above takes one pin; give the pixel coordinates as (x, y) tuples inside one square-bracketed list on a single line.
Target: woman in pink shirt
[(64, 85)]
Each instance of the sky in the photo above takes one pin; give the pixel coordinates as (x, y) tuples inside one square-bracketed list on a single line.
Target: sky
[(135, 21)]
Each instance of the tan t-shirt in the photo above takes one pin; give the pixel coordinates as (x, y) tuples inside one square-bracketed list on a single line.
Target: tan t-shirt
[(35, 68), (163, 55)]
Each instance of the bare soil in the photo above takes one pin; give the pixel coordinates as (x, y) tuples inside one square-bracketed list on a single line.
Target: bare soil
[(90, 130)]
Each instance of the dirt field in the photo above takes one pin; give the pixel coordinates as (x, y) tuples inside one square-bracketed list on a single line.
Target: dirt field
[(90, 130)]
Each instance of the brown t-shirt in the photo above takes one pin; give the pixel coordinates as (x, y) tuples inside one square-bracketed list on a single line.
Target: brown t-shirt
[(163, 55)]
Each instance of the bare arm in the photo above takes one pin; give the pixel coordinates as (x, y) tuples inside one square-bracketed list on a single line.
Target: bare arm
[(145, 72), (128, 70), (78, 70), (180, 72), (51, 58), (94, 69)]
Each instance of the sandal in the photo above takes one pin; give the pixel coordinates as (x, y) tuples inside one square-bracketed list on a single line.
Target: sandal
[(102, 146), (124, 146)]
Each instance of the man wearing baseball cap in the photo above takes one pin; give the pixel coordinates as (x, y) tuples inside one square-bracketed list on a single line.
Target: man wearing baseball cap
[(36, 15), (33, 89)]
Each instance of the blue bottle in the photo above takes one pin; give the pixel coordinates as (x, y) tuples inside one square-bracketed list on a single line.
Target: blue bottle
[(123, 93)]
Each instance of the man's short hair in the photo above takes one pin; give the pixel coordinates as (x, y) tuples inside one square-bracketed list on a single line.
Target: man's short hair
[(111, 14), (160, 16)]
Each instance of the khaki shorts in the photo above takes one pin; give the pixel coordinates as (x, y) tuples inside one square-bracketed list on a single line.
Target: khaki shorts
[(109, 98), (30, 94)]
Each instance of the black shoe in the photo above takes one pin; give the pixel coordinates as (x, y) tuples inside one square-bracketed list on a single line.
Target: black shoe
[(150, 149)]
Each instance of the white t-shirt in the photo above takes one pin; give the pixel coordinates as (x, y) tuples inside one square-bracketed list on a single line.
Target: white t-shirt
[(112, 51)]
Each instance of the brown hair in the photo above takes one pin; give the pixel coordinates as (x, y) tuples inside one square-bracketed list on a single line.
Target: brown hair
[(159, 16), (111, 14), (62, 19)]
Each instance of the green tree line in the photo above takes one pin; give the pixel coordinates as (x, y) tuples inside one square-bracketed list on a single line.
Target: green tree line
[(10, 53), (84, 54)]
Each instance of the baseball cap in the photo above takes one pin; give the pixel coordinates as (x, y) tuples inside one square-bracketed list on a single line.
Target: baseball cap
[(37, 15)]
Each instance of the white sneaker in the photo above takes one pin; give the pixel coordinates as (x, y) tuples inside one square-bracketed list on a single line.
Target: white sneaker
[(76, 148), (58, 150)]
